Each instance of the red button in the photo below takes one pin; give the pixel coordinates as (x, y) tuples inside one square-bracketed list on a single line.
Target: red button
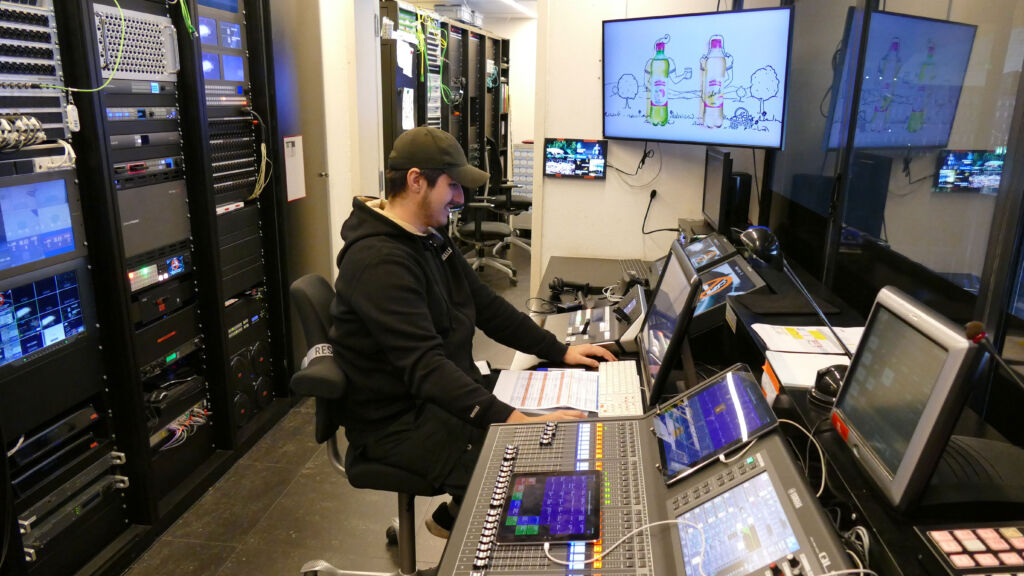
[(986, 559), (1011, 559)]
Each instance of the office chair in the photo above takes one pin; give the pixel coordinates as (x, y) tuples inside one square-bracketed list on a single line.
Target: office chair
[(323, 378)]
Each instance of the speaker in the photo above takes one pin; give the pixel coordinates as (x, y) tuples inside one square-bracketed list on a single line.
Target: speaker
[(737, 202)]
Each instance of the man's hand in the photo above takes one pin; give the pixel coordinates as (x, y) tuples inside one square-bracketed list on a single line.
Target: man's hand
[(518, 417), (579, 355)]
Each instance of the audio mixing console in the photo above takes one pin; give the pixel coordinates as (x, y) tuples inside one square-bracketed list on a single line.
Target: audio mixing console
[(753, 515)]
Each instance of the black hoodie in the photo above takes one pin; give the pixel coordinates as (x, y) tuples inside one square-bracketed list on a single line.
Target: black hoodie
[(403, 323)]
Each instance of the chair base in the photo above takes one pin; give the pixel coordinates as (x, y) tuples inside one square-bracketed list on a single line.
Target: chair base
[(322, 568), (507, 243), (506, 267)]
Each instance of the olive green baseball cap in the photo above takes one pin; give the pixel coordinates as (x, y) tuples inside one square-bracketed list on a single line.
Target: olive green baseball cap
[(429, 148)]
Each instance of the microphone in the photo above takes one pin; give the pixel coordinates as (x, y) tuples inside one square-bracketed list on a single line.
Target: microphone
[(975, 332)]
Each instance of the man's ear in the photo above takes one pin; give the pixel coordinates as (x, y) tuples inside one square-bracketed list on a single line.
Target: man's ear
[(414, 180)]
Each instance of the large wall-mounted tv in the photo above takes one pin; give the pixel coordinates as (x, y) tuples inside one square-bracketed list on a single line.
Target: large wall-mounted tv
[(914, 71), (717, 78)]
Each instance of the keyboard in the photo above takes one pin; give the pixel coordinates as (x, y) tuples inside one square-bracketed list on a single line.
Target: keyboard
[(634, 267), (618, 389)]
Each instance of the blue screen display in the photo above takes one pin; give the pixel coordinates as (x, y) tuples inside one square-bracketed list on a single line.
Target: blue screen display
[(35, 223), (231, 35), (207, 30), (555, 506), (698, 426), (211, 66), (39, 314), (234, 68), (225, 5)]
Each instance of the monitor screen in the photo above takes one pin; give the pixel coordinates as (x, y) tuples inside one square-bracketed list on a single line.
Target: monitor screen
[(35, 222), (207, 31), (729, 277), (667, 319), (708, 251), (738, 532), (903, 392), (914, 69), (717, 78), (231, 35), (969, 170), (574, 158), (234, 68), (226, 5), (725, 411), (552, 507), (211, 66), (717, 169), (37, 315)]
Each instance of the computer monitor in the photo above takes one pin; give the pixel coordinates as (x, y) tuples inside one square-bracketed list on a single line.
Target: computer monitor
[(40, 221), (969, 170), (667, 321), (568, 158), (903, 392), (717, 78), (717, 173), (914, 71)]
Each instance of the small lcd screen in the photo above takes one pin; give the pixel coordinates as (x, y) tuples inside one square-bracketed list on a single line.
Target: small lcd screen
[(739, 532), (552, 507), (660, 324), (729, 277), (35, 223), (234, 68), (231, 35), (39, 314), (726, 411), (207, 31), (211, 66), (574, 158), (885, 392), (969, 171), (707, 251), (225, 5)]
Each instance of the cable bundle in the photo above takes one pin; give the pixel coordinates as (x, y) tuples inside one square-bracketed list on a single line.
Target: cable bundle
[(186, 425), (16, 132)]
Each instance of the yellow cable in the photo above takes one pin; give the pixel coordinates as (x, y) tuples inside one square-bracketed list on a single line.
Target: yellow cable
[(113, 72)]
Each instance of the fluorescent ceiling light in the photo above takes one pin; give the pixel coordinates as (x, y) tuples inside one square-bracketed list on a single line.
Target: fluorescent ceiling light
[(521, 8)]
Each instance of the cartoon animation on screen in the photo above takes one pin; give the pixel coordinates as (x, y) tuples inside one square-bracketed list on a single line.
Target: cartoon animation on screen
[(903, 95), (712, 100)]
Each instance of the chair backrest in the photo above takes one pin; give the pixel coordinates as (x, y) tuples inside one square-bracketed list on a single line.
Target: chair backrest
[(312, 296)]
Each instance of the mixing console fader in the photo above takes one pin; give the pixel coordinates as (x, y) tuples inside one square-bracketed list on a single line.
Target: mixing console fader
[(754, 515)]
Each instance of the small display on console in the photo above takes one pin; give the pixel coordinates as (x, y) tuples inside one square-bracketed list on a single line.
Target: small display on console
[(738, 532), (35, 222), (708, 250), (730, 277), (552, 507), (722, 413), (39, 314)]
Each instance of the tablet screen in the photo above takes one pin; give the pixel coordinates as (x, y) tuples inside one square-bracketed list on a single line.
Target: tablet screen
[(552, 507), (722, 413)]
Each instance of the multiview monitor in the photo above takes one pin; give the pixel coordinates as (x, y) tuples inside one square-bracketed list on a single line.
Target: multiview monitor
[(568, 158), (914, 71), (38, 214), (969, 170), (717, 78)]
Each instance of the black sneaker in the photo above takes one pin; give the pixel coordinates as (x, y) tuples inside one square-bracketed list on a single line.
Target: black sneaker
[(441, 521)]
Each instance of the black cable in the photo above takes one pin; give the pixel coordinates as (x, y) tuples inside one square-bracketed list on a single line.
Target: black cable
[(7, 515), (643, 159), (757, 185), (644, 225)]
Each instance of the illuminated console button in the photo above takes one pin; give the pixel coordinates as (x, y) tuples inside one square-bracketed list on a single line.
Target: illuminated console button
[(962, 535), (986, 559), (987, 533), (997, 544), (1011, 533), (1017, 543), (950, 546), (962, 561), (1011, 559), (974, 546)]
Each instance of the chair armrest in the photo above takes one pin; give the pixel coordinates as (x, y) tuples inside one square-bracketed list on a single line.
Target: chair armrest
[(321, 378)]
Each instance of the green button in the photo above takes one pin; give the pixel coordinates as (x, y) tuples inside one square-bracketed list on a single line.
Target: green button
[(750, 459), (511, 521), (520, 530), (532, 529)]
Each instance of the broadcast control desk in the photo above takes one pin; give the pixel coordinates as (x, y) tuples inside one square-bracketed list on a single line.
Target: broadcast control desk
[(752, 515)]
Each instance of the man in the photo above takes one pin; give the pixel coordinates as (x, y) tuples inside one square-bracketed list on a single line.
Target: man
[(406, 310)]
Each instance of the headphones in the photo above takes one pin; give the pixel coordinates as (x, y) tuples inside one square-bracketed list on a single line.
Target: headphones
[(559, 285)]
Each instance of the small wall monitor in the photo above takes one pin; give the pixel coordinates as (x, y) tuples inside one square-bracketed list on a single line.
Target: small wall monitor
[(903, 392), (914, 70), (969, 171), (717, 78), (708, 251), (567, 158), (717, 173), (667, 321), (37, 213), (724, 412)]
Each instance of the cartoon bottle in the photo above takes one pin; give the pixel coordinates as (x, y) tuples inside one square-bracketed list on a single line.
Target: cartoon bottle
[(657, 87), (888, 72), (924, 77), (713, 68)]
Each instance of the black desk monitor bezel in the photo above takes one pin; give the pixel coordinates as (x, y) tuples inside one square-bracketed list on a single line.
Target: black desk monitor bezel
[(656, 385), (904, 485)]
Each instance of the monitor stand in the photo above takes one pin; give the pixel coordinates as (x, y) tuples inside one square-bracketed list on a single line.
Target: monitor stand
[(977, 472)]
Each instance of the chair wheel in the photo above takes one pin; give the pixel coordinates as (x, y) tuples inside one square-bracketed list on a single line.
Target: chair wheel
[(392, 535), (513, 282)]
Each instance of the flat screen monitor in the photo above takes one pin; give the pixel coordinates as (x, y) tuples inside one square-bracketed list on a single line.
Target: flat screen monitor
[(36, 219), (722, 413), (914, 70), (717, 78), (234, 68), (708, 251), (667, 321), (733, 276), (903, 392), (717, 172), (969, 170), (552, 507), (567, 158), (211, 66), (42, 311), (207, 31)]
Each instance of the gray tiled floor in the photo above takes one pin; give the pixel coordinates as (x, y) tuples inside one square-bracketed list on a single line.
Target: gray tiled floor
[(282, 504)]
